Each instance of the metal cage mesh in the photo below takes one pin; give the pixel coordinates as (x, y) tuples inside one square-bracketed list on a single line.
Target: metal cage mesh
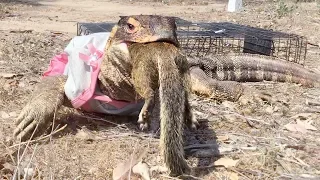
[(201, 39)]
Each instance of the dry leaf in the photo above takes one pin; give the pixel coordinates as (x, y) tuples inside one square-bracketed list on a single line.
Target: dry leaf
[(122, 170), (142, 169), (227, 175), (213, 111), (28, 173), (81, 134), (8, 75), (295, 128), (8, 168), (226, 162), (301, 126), (85, 134), (222, 138), (159, 169), (307, 124), (4, 115), (13, 114), (224, 150), (229, 105)]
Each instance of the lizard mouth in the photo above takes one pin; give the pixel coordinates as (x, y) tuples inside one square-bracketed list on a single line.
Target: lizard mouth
[(126, 43)]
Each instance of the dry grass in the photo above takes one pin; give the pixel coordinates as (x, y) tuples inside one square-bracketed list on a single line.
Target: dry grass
[(90, 146)]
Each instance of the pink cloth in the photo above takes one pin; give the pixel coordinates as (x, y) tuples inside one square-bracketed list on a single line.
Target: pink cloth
[(57, 67)]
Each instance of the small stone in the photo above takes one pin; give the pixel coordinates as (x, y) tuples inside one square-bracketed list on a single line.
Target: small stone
[(13, 114), (269, 110), (28, 173), (4, 115)]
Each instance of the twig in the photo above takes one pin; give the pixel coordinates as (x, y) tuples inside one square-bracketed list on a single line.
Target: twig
[(23, 153), (313, 44), (7, 148), (34, 151), (50, 137), (257, 137), (199, 146), (248, 118), (181, 176), (104, 120), (236, 171), (132, 135), (44, 137), (21, 31), (312, 103), (293, 161), (189, 176)]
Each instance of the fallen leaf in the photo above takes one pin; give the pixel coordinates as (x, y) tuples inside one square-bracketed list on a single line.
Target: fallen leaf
[(229, 105), (4, 115), (233, 176), (142, 169), (159, 169), (213, 111), (8, 75), (28, 173), (227, 175), (81, 134), (301, 126), (57, 33), (8, 168), (226, 162), (21, 31), (121, 171), (222, 138), (307, 124), (224, 150), (269, 110), (13, 114), (295, 128), (200, 114), (85, 134)]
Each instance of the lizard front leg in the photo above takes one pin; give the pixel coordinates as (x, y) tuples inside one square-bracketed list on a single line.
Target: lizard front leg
[(39, 111)]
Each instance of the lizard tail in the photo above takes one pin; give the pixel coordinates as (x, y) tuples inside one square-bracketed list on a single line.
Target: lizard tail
[(172, 114), (251, 67)]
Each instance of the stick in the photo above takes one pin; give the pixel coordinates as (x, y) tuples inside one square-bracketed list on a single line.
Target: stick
[(42, 138)]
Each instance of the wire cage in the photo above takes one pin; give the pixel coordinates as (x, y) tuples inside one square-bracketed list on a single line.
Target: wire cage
[(201, 39)]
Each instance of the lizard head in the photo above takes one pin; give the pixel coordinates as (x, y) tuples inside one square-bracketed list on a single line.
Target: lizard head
[(146, 28)]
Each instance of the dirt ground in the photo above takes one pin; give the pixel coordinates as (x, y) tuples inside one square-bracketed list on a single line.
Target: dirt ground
[(256, 136)]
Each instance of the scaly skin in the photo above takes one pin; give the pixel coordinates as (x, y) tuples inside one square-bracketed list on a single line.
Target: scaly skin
[(47, 98), (113, 79), (205, 74), (217, 75)]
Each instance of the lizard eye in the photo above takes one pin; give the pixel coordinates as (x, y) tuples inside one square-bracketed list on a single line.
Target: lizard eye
[(130, 27)]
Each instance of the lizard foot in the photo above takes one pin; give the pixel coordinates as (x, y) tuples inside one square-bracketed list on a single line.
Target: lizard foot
[(252, 96), (37, 115)]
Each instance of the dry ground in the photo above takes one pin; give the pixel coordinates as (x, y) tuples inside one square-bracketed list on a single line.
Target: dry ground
[(33, 31)]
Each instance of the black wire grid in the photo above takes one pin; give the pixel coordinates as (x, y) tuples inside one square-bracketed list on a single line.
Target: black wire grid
[(200, 39)]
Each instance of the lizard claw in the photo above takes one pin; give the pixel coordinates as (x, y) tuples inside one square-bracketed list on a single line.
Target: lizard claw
[(252, 96), (28, 122)]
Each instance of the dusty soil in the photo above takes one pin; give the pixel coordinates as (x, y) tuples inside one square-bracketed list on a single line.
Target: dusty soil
[(89, 147)]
